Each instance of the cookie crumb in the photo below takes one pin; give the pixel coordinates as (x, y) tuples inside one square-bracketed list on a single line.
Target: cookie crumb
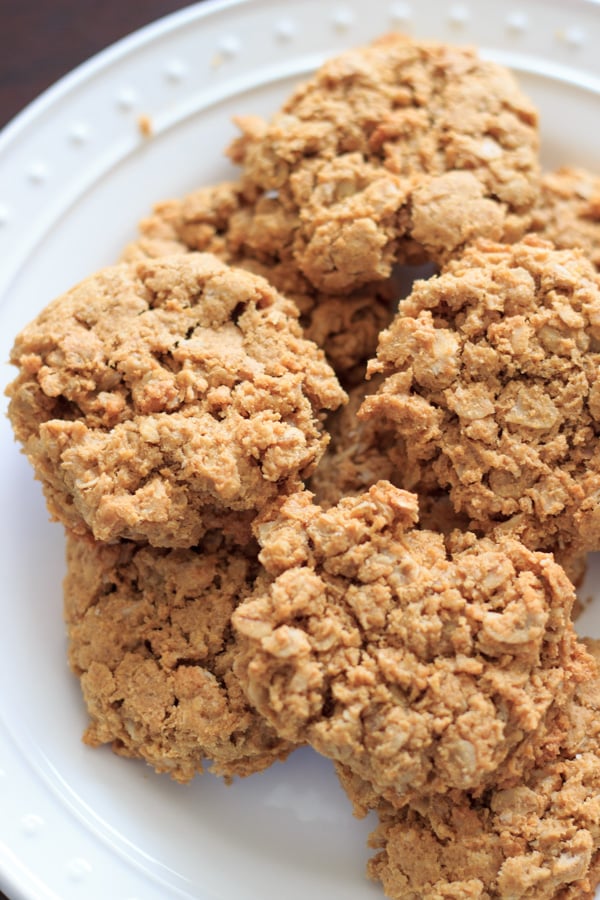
[(145, 125)]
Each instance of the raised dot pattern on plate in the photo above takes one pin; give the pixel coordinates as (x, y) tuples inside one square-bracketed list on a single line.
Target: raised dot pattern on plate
[(38, 173), (78, 868), (31, 824), (517, 22), (458, 15), (285, 29), (126, 99), (175, 71), (230, 46), (574, 36), (400, 13), (343, 18), (79, 134)]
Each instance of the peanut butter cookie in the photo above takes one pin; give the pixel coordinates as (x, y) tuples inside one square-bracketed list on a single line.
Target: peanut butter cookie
[(246, 228), (492, 387), (397, 151), (421, 663), (537, 840), (150, 639), (160, 399)]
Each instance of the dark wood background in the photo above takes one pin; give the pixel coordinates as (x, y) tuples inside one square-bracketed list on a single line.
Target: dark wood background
[(44, 39)]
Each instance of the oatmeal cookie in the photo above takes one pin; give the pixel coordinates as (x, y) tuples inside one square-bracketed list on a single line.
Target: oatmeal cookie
[(492, 384), (355, 457), (359, 454), (150, 639), (160, 399), (421, 663), (398, 151), (247, 229), (538, 840), (568, 212)]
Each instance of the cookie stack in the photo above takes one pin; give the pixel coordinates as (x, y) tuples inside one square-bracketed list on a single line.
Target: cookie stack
[(300, 511), (163, 404)]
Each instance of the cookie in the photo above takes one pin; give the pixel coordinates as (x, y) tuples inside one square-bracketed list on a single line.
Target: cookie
[(395, 152), (162, 399), (248, 229), (150, 639), (360, 453), (568, 212), (421, 663), (537, 840), (355, 458), (491, 387)]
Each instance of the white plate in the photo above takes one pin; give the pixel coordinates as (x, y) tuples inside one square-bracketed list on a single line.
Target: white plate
[(75, 176)]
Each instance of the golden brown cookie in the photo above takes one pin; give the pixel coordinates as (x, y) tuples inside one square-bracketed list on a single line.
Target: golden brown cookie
[(537, 840), (421, 663), (397, 151), (568, 212), (359, 454), (492, 386), (150, 638), (246, 228), (160, 399)]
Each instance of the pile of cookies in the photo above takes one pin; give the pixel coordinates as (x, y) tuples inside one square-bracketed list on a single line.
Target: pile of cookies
[(299, 511)]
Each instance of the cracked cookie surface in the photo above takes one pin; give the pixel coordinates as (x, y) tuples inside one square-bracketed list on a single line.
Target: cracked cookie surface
[(537, 840), (160, 399), (568, 212), (359, 454), (420, 663), (150, 639), (245, 228), (491, 385), (364, 451), (398, 151)]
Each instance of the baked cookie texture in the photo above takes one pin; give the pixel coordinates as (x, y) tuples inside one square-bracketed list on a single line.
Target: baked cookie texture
[(568, 211), (162, 399), (245, 227), (539, 839), (421, 663), (398, 151), (360, 454), (363, 451), (150, 638), (491, 385)]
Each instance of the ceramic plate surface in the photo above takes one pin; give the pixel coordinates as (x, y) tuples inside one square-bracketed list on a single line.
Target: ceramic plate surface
[(76, 174)]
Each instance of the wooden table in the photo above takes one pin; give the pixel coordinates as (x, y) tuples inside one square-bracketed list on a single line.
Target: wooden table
[(44, 40)]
